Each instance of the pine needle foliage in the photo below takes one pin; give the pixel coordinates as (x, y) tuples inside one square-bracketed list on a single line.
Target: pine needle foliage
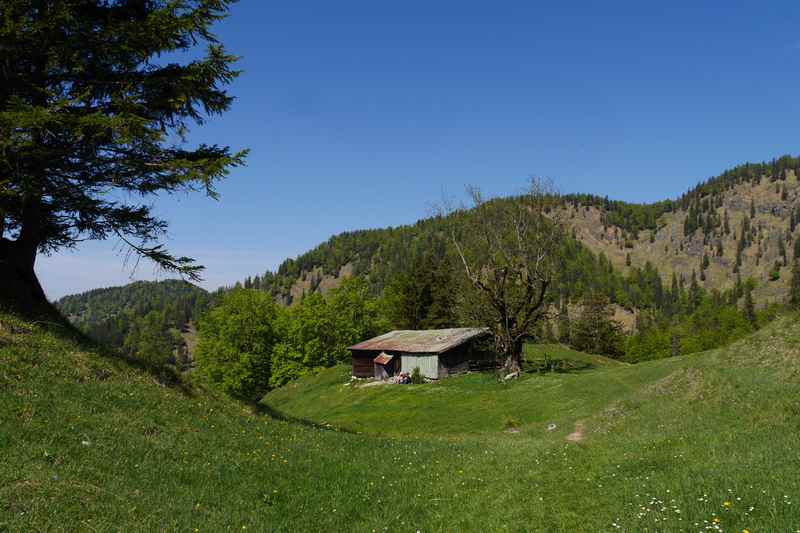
[(95, 109)]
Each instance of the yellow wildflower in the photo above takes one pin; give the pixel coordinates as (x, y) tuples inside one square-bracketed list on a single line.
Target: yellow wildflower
[(727, 504)]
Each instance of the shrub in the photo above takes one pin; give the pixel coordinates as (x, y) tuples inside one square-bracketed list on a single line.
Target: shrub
[(416, 376)]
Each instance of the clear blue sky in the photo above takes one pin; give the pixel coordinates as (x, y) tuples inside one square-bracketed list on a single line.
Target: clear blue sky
[(361, 114)]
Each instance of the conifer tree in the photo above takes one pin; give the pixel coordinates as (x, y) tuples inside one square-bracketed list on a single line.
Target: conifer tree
[(564, 328), (92, 101), (782, 249), (749, 306), (595, 330), (695, 294), (675, 291), (794, 286)]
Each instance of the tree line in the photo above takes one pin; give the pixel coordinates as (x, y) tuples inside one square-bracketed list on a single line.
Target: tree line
[(143, 319), (249, 343)]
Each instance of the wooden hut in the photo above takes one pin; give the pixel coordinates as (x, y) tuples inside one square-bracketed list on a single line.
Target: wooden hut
[(438, 353)]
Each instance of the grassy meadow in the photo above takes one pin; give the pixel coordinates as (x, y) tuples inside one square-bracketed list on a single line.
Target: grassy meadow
[(696, 443)]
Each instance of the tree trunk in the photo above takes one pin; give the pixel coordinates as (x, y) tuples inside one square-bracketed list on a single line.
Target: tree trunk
[(513, 362), (20, 291)]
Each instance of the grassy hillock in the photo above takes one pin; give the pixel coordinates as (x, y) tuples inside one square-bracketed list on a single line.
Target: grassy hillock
[(687, 443), (90, 442)]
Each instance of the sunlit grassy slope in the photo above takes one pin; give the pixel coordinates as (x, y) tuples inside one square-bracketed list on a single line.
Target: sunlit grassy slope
[(89, 443)]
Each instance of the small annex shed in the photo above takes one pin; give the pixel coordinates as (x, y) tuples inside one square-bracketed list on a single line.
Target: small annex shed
[(437, 353)]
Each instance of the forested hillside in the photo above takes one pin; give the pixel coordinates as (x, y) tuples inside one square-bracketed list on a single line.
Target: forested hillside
[(143, 318), (724, 253), (740, 224), (679, 275)]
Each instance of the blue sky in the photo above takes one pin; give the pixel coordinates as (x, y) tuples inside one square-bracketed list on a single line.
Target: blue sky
[(363, 114)]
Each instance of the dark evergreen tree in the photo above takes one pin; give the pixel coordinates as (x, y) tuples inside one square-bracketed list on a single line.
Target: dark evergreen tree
[(89, 114), (675, 294), (564, 328), (782, 249), (726, 223), (695, 294), (794, 286), (749, 306), (595, 330)]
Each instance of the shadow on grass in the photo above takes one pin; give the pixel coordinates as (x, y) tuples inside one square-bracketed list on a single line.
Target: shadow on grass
[(267, 410), (549, 365), (52, 322)]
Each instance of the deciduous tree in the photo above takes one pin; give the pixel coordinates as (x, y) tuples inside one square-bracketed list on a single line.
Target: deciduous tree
[(508, 251)]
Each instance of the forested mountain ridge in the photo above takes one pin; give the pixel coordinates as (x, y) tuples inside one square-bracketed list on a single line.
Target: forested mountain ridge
[(744, 229), (738, 225), (144, 316)]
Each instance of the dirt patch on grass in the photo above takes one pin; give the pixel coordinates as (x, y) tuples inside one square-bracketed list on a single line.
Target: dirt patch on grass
[(372, 384), (577, 435)]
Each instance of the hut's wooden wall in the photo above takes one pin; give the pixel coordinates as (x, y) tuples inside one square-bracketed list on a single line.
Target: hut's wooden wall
[(427, 364), (363, 367)]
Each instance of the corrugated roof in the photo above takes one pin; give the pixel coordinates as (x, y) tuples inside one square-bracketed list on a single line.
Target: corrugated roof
[(383, 358), (421, 341)]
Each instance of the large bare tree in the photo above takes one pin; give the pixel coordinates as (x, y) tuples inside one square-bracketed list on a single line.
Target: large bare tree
[(508, 249)]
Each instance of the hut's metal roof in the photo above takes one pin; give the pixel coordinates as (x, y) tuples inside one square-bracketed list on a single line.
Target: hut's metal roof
[(420, 341)]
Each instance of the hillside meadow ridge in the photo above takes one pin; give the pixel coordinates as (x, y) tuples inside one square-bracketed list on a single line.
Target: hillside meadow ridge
[(523, 361), (694, 443)]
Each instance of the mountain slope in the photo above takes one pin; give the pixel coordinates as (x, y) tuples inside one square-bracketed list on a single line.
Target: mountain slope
[(90, 308), (773, 202), (90, 442), (673, 235), (114, 315)]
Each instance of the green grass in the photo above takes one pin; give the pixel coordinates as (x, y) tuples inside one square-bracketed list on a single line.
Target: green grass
[(584, 361), (90, 443)]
